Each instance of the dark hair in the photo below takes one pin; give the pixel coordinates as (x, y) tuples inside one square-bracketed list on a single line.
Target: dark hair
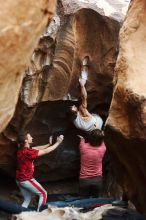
[(21, 139), (72, 115), (95, 137)]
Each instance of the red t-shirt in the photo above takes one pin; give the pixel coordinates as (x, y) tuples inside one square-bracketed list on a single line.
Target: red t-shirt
[(25, 166), (91, 159)]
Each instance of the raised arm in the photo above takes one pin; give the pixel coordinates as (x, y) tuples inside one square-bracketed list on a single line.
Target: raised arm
[(42, 147), (83, 93), (52, 147), (82, 80)]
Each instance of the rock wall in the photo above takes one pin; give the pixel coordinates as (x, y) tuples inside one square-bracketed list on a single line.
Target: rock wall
[(71, 44), (112, 8), (21, 24), (126, 124), (53, 75)]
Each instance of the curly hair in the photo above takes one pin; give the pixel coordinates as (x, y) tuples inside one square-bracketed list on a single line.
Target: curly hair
[(95, 137), (72, 115)]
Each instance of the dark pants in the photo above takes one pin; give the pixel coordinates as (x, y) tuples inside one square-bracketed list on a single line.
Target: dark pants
[(91, 186)]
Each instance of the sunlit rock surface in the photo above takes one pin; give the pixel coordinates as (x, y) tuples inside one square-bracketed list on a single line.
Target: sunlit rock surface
[(65, 52), (116, 9), (106, 212), (21, 24), (126, 124)]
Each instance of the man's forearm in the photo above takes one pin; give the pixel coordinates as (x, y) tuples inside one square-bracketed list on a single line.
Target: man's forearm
[(48, 149), (84, 96), (83, 92), (51, 148), (42, 147)]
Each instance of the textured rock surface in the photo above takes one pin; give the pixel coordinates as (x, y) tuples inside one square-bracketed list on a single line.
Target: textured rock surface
[(126, 124), (111, 8), (106, 212), (21, 23), (72, 44), (52, 82)]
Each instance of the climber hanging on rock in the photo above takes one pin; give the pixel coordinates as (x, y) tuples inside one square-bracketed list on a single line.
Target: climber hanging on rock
[(81, 117), (25, 168)]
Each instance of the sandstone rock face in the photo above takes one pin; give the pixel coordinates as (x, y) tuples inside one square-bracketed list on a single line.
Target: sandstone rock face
[(111, 8), (21, 23), (72, 44), (126, 124), (43, 83)]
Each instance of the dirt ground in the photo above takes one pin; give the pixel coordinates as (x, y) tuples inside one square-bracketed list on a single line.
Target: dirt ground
[(10, 191)]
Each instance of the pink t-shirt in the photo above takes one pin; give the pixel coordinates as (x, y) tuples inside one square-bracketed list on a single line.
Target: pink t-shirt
[(91, 159)]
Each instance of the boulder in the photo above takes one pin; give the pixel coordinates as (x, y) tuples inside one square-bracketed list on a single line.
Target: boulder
[(21, 24), (126, 125), (59, 77)]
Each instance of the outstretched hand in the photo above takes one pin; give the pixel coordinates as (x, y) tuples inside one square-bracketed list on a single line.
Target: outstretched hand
[(60, 139)]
